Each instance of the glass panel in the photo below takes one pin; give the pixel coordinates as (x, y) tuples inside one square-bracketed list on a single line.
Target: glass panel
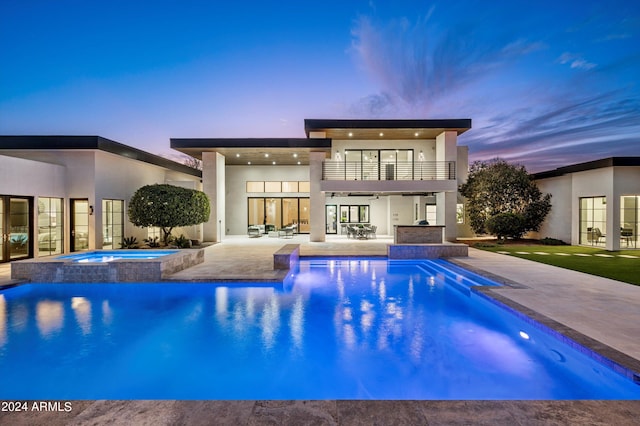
[(353, 165), (273, 187), (255, 186), (304, 187), (459, 213), (593, 221), (18, 228), (629, 214), (364, 214), (80, 232), (256, 212), (290, 186), (112, 223), (344, 214), (370, 165), (431, 214), (274, 212), (305, 211), (289, 211), (50, 229), (331, 220), (353, 213)]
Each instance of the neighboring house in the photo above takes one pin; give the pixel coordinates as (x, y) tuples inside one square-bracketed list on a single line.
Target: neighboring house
[(69, 193), (595, 203), (380, 172)]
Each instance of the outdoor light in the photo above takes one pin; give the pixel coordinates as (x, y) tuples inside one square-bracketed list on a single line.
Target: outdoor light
[(295, 155), (350, 134), (298, 163), (524, 335), (266, 155), (416, 134), (381, 134), (237, 155), (274, 163)]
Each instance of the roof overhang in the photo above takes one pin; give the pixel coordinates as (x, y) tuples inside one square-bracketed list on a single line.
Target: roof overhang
[(589, 165), (387, 129), (75, 142), (263, 151)]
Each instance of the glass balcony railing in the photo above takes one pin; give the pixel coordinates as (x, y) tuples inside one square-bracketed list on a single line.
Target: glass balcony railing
[(398, 170)]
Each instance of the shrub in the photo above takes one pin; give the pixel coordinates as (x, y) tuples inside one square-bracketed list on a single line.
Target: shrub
[(182, 242), (129, 243), (504, 225), (552, 242), (152, 242)]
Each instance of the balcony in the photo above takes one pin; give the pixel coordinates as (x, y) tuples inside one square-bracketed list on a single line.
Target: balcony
[(399, 170)]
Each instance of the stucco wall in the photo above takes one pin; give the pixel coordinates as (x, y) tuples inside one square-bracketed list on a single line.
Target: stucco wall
[(559, 221), (236, 190), (19, 176)]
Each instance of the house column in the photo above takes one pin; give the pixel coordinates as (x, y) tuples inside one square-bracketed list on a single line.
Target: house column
[(447, 150), (316, 197), (213, 184), (613, 219)]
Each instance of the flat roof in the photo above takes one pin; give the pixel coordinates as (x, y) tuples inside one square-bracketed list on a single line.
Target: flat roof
[(60, 142), (391, 129), (257, 151), (589, 165)]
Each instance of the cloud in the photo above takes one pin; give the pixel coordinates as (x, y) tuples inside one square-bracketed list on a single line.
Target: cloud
[(575, 61)]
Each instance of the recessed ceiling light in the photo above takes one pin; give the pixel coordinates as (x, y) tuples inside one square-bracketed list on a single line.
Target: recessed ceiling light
[(248, 162), (416, 134), (295, 155), (273, 163), (350, 134), (237, 155), (298, 163), (266, 155), (381, 134)]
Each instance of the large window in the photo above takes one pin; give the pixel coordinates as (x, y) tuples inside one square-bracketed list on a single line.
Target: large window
[(277, 186), (629, 220), (593, 221), (385, 164), (112, 223), (276, 213), (354, 214), (50, 226)]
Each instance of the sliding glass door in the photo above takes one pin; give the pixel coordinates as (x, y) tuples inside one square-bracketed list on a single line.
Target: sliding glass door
[(16, 228), (276, 213)]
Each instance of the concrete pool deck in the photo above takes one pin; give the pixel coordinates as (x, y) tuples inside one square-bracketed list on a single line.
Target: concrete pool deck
[(606, 312)]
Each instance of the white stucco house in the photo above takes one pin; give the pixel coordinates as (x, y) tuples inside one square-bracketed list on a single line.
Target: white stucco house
[(595, 203), (379, 172), (68, 193)]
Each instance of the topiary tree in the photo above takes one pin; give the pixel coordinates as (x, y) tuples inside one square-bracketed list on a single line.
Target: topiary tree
[(495, 187), (168, 206)]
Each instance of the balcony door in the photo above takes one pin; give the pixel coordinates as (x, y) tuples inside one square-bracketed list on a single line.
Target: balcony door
[(16, 228)]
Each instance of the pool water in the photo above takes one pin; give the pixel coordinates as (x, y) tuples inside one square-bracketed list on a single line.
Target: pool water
[(102, 256), (341, 329)]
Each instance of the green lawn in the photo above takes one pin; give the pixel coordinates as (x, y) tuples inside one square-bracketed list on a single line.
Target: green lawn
[(617, 268)]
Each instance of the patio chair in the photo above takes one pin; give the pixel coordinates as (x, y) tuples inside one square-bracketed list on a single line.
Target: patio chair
[(594, 235), (371, 232), (626, 234)]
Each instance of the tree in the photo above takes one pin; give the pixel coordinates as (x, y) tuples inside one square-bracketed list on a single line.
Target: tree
[(495, 187), (168, 206)]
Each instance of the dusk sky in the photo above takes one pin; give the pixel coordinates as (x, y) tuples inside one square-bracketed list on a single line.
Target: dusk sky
[(546, 83)]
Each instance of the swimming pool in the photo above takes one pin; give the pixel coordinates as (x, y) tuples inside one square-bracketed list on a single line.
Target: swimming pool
[(102, 256), (342, 329)]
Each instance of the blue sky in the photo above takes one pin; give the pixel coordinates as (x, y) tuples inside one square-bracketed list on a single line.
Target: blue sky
[(546, 83)]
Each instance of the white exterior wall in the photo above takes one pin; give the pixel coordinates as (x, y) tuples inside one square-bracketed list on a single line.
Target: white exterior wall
[(19, 176), (91, 174), (236, 190), (559, 221), (563, 221)]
